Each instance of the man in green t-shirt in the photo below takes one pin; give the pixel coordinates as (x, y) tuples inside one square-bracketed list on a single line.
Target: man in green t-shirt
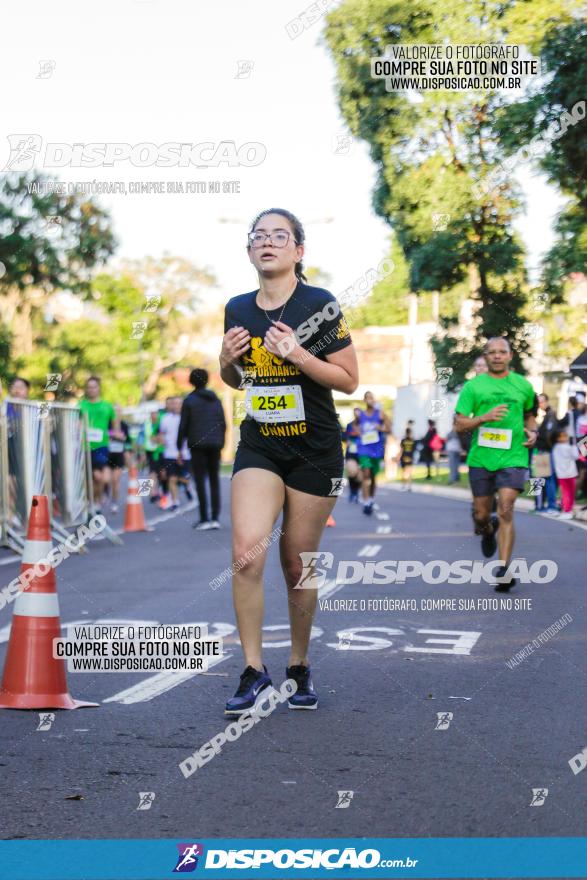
[(101, 416), (498, 408), (154, 455)]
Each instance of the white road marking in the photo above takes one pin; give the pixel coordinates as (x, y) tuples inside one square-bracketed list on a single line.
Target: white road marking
[(10, 560), (369, 550), (383, 530), (382, 515), (158, 684), (461, 643), (359, 638)]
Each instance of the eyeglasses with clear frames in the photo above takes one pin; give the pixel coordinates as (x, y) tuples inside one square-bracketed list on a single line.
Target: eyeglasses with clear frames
[(278, 239)]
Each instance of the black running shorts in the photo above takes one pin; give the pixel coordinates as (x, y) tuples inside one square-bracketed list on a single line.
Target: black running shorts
[(484, 483), (320, 476)]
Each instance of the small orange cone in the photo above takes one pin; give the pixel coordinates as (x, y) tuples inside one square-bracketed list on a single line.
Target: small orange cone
[(134, 515), (330, 521), (33, 678), (164, 503)]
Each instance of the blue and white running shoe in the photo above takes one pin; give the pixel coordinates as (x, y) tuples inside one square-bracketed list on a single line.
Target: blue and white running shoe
[(252, 684), (305, 697)]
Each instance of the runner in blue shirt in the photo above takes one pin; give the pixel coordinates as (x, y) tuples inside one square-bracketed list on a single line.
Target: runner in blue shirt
[(374, 424)]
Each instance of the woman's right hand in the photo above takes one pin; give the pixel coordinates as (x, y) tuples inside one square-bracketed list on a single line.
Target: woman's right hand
[(234, 344)]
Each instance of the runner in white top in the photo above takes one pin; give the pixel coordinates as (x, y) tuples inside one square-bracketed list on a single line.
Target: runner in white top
[(168, 429)]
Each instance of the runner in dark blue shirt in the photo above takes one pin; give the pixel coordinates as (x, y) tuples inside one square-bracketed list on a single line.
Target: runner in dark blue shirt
[(374, 424)]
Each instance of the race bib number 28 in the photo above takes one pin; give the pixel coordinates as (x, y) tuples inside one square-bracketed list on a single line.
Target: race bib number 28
[(495, 438), (276, 403)]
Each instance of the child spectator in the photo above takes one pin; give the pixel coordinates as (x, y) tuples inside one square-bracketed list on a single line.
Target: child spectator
[(565, 466)]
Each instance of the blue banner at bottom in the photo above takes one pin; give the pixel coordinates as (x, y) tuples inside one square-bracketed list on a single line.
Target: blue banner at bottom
[(273, 858)]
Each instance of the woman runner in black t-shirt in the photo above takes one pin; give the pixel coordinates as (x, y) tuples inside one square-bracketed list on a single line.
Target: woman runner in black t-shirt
[(289, 457)]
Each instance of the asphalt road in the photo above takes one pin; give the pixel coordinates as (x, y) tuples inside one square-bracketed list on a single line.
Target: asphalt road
[(377, 732)]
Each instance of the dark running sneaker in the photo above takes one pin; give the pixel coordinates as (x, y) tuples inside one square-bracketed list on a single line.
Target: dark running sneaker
[(252, 683), (489, 542), (305, 697), (501, 585)]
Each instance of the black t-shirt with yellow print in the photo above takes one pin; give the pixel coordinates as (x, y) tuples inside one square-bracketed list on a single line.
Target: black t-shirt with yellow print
[(287, 413)]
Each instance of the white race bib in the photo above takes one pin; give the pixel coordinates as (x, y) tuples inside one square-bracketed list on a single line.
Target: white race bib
[(116, 446), (369, 437), (276, 403), (95, 435), (495, 438)]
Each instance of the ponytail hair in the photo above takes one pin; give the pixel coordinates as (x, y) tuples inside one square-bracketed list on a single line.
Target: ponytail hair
[(298, 233)]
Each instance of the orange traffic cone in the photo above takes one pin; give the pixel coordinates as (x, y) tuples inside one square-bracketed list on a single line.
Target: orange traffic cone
[(330, 521), (134, 515), (33, 678)]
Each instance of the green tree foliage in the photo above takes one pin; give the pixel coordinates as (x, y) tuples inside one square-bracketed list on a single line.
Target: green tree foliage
[(48, 242), (181, 287), (101, 343), (547, 117), (387, 304), (433, 150), (119, 337)]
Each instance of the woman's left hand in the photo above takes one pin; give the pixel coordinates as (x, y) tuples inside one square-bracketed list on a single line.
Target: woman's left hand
[(280, 340)]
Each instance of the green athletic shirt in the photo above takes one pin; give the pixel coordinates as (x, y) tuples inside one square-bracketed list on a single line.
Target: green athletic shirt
[(151, 431), (483, 393), (100, 415)]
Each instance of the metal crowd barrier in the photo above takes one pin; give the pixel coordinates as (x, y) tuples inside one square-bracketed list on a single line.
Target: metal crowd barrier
[(43, 451)]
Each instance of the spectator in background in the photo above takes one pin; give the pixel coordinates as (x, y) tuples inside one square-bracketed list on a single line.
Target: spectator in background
[(427, 452), (203, 425), (581, 428), (454, 451), (569, 420), (565, 464), (541, 463), (436, 445), (392, 451), (19, 388), (480, 365), (406, 459)]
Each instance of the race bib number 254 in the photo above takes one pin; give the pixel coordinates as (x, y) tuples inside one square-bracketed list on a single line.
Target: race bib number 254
[(277, 403)]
